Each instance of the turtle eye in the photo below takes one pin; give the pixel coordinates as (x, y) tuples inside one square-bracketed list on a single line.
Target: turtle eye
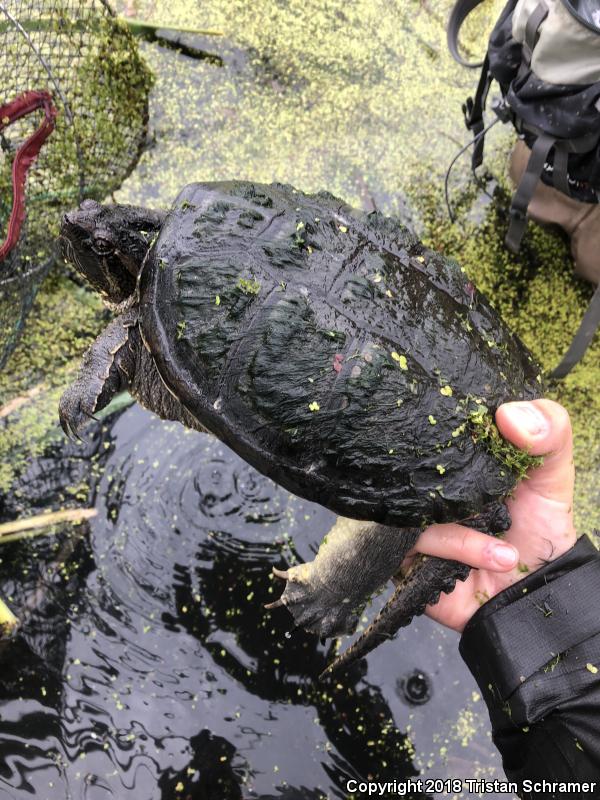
[(102, 246)]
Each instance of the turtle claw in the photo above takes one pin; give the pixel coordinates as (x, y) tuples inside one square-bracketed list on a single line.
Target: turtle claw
[(284, 574), (71, 431), (102, 373), (74, 413), (276, 604), (72, 435), (313, 606)]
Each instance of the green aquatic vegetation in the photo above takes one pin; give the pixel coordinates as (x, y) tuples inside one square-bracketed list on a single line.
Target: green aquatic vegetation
[(537, 293), (64, 320), (483, 429), (248, 285), (551, 665)]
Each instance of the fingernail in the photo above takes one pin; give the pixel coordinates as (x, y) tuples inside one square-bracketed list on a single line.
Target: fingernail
[(529, 418), (504, 555)]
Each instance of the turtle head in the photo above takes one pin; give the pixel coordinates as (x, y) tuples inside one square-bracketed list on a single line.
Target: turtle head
[(107, 245)]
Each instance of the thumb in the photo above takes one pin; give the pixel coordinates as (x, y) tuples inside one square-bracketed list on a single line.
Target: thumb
[(542, 428)]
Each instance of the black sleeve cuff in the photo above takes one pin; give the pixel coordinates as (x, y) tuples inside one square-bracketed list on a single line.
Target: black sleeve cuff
[(537, 643)]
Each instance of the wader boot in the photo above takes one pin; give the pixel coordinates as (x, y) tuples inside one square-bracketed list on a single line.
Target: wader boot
[(581, 221)]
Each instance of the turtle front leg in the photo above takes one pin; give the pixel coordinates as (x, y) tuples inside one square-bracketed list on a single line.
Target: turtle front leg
[(119, 360), (104, 371), (326, 596)]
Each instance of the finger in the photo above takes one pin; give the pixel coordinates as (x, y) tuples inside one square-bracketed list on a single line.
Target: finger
[(458, 543), (542, 427)]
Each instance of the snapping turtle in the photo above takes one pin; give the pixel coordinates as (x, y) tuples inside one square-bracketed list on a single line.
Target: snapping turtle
[(332, 351)]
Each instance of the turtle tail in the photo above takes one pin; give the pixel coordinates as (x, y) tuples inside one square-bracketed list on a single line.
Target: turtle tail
[(422, 585)]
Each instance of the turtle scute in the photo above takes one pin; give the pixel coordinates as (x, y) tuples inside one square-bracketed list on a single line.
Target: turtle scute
[(333, 351)]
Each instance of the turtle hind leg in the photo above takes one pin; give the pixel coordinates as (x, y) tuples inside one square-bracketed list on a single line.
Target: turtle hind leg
[(422, 586), (356, 558), (104, 372), (427, 579)]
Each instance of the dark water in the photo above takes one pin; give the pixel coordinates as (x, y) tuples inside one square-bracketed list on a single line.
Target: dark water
[(147, 667)]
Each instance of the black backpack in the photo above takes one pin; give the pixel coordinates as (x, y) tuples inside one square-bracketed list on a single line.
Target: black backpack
[(545, 57)]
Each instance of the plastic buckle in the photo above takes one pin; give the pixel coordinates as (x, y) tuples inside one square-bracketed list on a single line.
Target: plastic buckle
[(467, 109), (502, 110), (517, 213)]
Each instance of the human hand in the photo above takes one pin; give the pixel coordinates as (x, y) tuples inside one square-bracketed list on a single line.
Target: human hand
[(541, 509)]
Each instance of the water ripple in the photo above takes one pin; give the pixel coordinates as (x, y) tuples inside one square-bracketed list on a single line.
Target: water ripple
[(148, 662)]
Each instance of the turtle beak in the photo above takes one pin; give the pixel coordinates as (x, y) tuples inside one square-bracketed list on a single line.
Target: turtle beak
[(72, 225), (70, 231), (68, 220)]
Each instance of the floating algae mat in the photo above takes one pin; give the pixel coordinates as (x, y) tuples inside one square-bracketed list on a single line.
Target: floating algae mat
[(147, 666)]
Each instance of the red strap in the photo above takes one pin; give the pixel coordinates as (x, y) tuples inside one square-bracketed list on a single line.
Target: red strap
[(25, 155)]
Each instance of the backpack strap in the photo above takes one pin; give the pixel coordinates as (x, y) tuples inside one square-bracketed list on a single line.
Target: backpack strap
[(544, 143), (539, 153), (532, 30), (473, 108), (582, 339), (522, 197), (459, 13), (518, 221), (560, 175), (473, 112)]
